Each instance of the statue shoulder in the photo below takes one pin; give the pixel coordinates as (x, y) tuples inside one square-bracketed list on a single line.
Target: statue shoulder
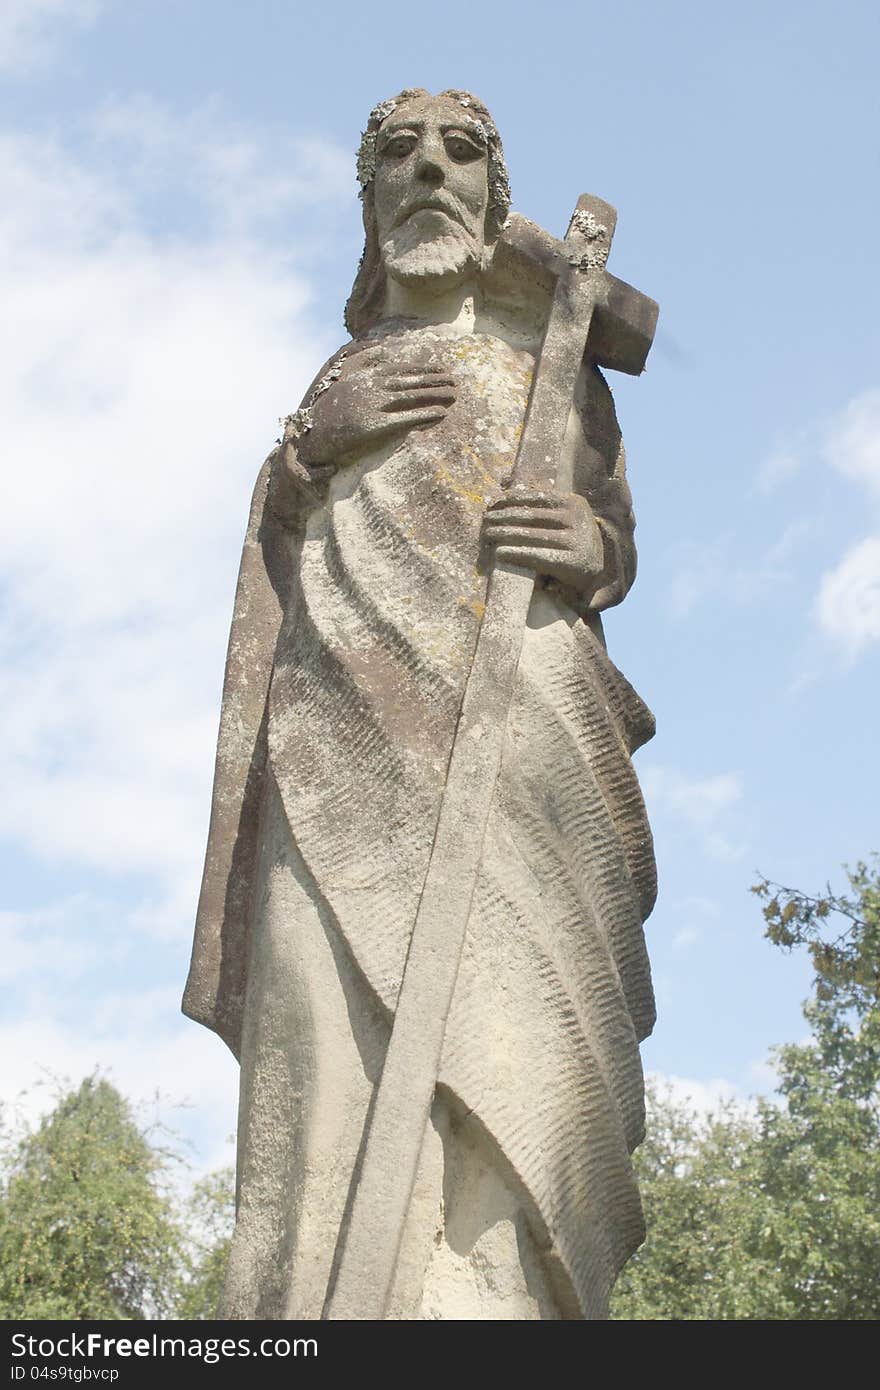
[(329, 372)]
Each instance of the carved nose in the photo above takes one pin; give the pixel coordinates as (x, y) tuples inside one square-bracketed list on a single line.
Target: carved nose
[(430, 172)]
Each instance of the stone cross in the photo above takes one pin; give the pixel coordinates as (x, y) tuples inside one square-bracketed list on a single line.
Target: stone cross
[(592, 312)]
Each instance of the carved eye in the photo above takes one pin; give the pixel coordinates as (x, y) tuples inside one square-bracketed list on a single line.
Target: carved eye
[(461, 149), (398, 146)]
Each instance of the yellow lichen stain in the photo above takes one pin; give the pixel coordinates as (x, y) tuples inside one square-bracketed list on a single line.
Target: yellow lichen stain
[(443, 648), (489, 478), (460, 490), (476, 605)]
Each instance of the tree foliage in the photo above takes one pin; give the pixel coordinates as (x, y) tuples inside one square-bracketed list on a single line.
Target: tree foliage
[(85, 1228), (90, 1226), (767, 1212), (210, 1217), (775, 1212)]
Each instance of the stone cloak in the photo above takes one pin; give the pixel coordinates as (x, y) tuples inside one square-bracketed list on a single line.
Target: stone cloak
[(347, 661)]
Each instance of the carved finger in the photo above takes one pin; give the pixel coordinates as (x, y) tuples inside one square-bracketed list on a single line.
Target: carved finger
[(422, 382), (528, 540), (517, 498), (414, 418), (540, 517), (541, 561), (417, 368), (417, 400)]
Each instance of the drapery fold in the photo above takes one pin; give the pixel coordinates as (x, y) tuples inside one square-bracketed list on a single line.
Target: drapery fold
[(381, 600)]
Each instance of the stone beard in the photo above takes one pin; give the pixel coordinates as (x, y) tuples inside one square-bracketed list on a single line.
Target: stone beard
[(429, 248), (359, 603)]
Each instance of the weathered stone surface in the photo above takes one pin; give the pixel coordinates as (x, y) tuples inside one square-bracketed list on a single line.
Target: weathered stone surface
[(361, 626)]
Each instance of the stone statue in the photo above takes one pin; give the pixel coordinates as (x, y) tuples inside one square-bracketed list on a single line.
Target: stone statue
[(423, 775)]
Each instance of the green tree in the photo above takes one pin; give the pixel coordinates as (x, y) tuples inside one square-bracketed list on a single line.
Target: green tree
[(821, 1145), (774, 1213), (691, 1175), (209, 1218), (87, 1228)]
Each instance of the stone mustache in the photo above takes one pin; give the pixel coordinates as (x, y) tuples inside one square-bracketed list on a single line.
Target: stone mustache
[(428, 866)]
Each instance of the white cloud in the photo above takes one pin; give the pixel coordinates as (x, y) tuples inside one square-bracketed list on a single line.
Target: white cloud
[(147, 350), (85, 991), (245, 178), (778, 468), (701, 805), (46, 940), (143, 369), (30, 30), (853, 443), (848, 603), (706, 1097), (714, 572), (694, 904), (177, 1073), (686, 936), (141, 381), (695, 912), (848, 441), (702, 1097), (763, 1075)]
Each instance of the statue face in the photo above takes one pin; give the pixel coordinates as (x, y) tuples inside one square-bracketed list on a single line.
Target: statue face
[(431, 193)]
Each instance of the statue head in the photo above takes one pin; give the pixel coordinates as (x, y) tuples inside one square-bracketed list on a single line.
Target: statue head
[(435, 194)]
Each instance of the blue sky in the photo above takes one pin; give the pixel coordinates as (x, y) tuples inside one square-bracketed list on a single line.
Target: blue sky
[(179, 230)]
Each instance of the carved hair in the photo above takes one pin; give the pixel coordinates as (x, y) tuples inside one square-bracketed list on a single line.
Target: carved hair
[(368, 292)]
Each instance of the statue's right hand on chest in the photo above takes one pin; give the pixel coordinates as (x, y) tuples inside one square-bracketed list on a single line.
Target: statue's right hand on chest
[(378, 393)]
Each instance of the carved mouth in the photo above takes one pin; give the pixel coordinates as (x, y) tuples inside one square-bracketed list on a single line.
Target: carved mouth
[(430, 205)]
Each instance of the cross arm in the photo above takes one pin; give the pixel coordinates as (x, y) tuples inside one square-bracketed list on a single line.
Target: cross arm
[(624, 319)]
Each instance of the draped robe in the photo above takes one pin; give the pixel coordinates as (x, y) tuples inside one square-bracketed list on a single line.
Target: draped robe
[(354, 628)]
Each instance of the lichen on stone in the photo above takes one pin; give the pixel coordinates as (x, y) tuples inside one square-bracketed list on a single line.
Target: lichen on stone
[(298, 424), (366, 158), (584, 222), (590, 260), (327, 379)]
